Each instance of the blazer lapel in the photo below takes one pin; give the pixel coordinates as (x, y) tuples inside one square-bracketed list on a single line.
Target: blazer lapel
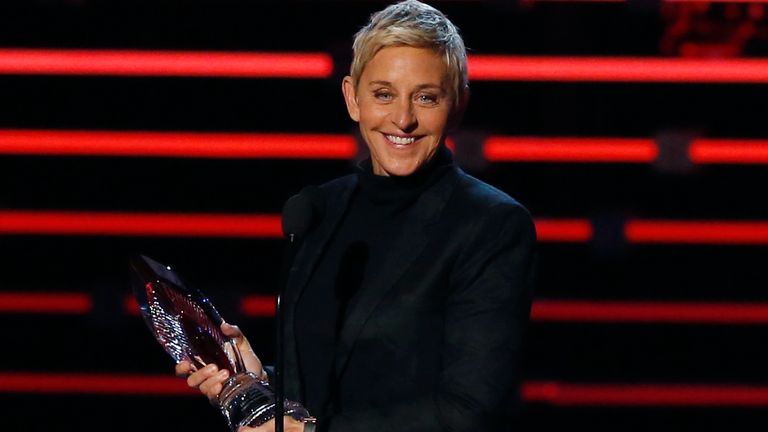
[(408, 245), (309, 253), (303, 265)]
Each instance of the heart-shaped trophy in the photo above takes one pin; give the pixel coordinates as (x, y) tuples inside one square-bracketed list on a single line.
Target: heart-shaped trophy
[(189, 328)]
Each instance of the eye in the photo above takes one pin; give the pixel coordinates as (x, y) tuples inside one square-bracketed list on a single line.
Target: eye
[(427, 99), (383, 95)]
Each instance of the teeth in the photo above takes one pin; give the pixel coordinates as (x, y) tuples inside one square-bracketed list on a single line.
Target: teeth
[(401, 141)]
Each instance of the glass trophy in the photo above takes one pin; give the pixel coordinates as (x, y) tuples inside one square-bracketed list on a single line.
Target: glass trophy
[(188, 327)]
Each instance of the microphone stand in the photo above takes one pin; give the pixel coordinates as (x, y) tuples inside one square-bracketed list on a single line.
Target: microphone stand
[(290, 252)]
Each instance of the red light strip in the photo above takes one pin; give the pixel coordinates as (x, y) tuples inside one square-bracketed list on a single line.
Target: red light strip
[(649, 312), (554, 393), (563, 230), (45, 303), (320, 65), (543, 310), (13, 222), (177, 144), (165, 63), (603, 311), (562, 149), (339, 146), (258, 306), (696, 232), (87, 383), (566, 394), (139, 224), (665, 1), (728, 151), (261, 306), (617, 69)]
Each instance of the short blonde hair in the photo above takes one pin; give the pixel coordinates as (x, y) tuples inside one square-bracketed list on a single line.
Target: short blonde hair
[(414, 24)]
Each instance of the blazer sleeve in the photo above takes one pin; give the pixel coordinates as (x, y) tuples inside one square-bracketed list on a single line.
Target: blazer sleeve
[(486, 311)]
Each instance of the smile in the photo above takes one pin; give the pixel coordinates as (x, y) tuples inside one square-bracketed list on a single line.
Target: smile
[(400, 140)]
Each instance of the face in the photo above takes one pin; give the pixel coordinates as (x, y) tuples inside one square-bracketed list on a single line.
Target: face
[(403, 104)]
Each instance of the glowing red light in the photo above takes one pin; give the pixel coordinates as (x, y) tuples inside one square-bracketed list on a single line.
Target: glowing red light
[(649, 312), (697, 232), (166, 63), (258, 306), (563, 230), (177, 144), (587, 394), (139, 224), (45, 303), (560, 149), (728, 151)]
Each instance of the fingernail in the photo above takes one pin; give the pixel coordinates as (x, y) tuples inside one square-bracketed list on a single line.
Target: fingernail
[(223, 373), (211, 367)]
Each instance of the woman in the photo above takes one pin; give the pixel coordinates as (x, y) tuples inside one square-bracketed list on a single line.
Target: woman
[(405, 306)]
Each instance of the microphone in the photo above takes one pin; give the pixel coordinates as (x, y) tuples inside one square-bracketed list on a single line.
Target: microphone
[(302, 211), (300, 214)]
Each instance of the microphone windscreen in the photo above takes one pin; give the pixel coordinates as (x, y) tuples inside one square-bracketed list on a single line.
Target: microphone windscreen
[(302, 210)]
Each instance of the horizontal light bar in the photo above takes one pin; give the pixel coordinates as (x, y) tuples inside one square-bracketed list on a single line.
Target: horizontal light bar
[(554, 393), (45, 303), (177, 144), (139, 224), (543, 310), (320, 65), (27, 142), (258, 306), (563, 149), (262, 306), (649, 312), (728, 151), (697, 232), (665, 1), (88, 383), (564, 230), (13, 222), (165, 63), (617, 69), (692, 395)]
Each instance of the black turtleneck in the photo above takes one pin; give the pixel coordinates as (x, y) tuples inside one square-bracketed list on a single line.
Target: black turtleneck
[(377, 209)]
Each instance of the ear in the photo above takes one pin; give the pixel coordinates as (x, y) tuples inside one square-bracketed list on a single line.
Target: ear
[(350, 97), (458, 112)]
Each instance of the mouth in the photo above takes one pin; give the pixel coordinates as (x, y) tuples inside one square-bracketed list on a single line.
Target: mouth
[(400, 141)]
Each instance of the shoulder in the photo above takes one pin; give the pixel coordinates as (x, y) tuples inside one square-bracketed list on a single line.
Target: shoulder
[(339, 184), (477, 200)]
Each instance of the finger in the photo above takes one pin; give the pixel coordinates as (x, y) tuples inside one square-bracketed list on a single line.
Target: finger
[(266, 427), (212, 386), (183, 369), (195, 379), (231, 331), (251, 360)]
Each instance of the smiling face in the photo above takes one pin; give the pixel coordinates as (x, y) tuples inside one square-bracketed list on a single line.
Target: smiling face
[(403, 105)]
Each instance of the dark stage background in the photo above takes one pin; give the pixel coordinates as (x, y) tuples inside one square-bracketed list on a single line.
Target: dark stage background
[(636, 325)]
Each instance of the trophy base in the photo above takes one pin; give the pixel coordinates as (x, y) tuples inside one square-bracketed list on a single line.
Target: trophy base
[(245, 400)]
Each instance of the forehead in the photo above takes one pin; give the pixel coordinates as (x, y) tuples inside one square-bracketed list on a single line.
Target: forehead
[(406, 66)]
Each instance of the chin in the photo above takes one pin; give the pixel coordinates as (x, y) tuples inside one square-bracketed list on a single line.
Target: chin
[(400, 169)]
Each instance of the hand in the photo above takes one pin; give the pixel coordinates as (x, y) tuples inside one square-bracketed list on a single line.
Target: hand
[(209, 379), (289, 425)]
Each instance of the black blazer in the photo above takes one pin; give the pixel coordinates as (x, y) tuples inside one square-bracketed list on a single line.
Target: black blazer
[(434, 345)]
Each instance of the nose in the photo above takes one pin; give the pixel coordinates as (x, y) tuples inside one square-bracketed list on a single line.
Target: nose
[(404, 116)]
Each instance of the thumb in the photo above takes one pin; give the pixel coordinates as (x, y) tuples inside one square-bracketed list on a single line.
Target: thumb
[(231, 331)]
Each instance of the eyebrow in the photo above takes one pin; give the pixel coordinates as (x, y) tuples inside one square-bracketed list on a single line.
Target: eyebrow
[(418, 87)]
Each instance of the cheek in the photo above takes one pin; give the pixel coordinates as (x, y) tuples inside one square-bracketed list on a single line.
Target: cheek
[(437, 123), (370, 114)]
